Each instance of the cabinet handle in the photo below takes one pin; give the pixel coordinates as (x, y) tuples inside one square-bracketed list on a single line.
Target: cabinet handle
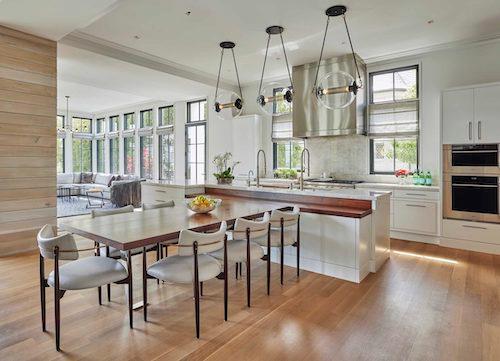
[(416, 205), (479, 129), (470, 130), (416, 194), (160, 191), (475, 227)]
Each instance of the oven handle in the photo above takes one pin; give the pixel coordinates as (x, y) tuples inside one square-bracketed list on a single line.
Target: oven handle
[(475, 185), (474, 151)]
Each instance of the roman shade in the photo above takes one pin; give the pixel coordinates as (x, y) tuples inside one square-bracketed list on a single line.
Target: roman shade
[(282, 128), (393, 118)]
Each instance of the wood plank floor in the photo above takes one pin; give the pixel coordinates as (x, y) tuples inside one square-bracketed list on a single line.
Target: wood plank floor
[(426, 303)]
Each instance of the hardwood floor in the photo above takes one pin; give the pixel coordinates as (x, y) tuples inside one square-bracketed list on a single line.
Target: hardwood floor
[(426, 303)]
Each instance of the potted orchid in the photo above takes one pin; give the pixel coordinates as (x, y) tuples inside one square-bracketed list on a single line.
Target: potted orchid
[(225, 173)]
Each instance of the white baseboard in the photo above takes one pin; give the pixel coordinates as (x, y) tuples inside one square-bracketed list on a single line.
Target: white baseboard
[(470, 245), (415, 237)]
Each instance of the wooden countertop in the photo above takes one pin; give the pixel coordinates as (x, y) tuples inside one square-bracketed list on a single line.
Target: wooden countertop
[(137, 229)]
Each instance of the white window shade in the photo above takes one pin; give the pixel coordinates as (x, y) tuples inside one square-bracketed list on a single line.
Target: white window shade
[(169, 129), (282, 128), (394, 118)]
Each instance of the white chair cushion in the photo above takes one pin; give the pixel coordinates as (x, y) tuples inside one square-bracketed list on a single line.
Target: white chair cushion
[(237, 251), (115, 253), (290, 236), (180, 269), (89, 272), (64, 178)]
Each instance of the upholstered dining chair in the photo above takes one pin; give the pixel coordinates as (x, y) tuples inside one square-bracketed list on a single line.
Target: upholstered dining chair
[(192, 265), (166, 204), (77, 274), (285, 231), (243, 248), (113, 252)]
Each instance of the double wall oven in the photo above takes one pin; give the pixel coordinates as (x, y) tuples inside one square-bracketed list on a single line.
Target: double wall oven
[(472, 182)]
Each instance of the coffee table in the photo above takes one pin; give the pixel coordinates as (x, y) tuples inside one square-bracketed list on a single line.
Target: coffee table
[(94, 192)]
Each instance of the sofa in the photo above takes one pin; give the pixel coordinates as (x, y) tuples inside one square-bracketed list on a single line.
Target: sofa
[(121, 190)]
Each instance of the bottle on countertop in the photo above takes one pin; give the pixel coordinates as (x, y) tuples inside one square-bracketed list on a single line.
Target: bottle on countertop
[(428, 179), (415, 178), (421, 178)]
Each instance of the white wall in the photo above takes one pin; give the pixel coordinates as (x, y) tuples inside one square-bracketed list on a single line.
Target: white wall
[(439, 70)]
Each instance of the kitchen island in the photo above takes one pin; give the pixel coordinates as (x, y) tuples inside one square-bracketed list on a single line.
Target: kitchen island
[(344, 232)]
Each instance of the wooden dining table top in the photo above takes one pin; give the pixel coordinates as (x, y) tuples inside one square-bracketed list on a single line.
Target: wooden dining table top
[(127, 231)]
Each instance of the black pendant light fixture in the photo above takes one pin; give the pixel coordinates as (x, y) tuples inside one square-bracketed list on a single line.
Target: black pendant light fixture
[(337, 90), (275, 98), (228, 104)]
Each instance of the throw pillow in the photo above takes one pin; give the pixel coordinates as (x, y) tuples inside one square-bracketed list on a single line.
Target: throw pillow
[(87, 178), (111, 179)]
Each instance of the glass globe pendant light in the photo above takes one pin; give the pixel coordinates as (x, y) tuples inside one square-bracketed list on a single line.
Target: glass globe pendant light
[(336, 90), (276, 98), (227, 104)]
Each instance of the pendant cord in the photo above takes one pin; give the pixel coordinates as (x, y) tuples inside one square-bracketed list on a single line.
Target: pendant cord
[(237, 75), (321, 52), (264, 66), (218, 75), (286, 61), (352, 50)]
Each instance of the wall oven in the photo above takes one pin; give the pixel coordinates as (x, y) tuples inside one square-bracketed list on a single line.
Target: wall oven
[(471, 158), (472, 197)]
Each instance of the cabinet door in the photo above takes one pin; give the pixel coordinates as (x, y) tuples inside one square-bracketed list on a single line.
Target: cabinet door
[(458, 116), (415, 216), (487, 114)]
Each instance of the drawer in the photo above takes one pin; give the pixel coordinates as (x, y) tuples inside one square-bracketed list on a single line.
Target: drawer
[(472, 231), (151, 194), (415, 216), (416, 194)]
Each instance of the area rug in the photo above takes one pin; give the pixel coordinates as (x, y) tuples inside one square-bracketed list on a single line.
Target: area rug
[(78, 206)]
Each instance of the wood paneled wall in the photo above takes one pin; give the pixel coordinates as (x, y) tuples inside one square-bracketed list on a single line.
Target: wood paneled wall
[(28, 96)]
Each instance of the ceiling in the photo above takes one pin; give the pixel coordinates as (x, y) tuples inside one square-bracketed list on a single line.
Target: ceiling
[(185, 35)]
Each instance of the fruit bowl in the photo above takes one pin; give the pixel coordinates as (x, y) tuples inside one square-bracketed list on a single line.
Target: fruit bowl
[(202, 204)]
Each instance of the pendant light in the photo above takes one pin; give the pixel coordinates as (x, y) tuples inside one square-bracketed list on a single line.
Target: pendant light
[(228, 104), (276, 98), (337, 90)]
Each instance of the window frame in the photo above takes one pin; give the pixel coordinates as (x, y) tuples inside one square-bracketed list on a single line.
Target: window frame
[(103, 155), (63, 142), (141, 116), (99, 126), (63, 118), (125, 124), (189, 115), (417, 136), (195, 123), (160, 156), (80, 119), (126, 141), (76, 139), (160, 115), (141, 158), (111, 169), (275, 152), (111, 122)]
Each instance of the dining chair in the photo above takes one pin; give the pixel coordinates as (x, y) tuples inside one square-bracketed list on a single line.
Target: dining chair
[(192, 264), (77, 274), (243, 247), (285, 231), (114, 253), (167, 204)]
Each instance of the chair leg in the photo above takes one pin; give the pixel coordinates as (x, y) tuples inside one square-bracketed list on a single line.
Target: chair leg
[(225, 278), (57, 314), (196, 284), (157, 258), (161, 250), (99, 295), (237, 265), (166, 250), (269, 260), (241, 268), (248, 268), (298, 247), (144, 285), (201, 288), (108, 286), (282, 250), (42, 293), (130, 288)]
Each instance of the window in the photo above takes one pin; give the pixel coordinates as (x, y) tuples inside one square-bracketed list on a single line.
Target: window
[(99, 125), (128, 154), (82, 155), (197, 111), (114, 125), (100, 155), (82, 125), (114, 155), (60, 155), (128, 121), (60, 122), (196, 141), (166, 116), (166, 144), (286, 154), (394, 120), (146, 151), (146, 118)]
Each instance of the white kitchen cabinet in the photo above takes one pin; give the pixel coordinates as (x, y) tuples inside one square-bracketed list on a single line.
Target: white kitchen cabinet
[(415, 216), (471, 115), (458, 116), (487, 114), (246, 143)]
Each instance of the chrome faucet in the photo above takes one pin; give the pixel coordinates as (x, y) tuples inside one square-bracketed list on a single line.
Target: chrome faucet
[(302, 168), (258, 166), (249, 179)]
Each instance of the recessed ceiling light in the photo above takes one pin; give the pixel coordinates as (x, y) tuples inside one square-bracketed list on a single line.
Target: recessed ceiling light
[(137, 37), (430, 21), (187, 13), (278, 58)]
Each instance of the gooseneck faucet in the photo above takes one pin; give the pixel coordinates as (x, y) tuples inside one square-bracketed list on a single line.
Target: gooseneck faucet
[(302, 168), (258, 166)]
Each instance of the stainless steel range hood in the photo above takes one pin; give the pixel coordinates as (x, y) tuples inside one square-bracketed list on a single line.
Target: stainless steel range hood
[(311, 119)]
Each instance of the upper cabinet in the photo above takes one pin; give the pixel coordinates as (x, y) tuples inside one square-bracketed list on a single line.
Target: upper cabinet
[(471, 115)]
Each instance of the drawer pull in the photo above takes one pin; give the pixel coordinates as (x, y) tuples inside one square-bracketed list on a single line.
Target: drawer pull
[(416, 194), (160, 191), (475, 227), (416, 205)]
